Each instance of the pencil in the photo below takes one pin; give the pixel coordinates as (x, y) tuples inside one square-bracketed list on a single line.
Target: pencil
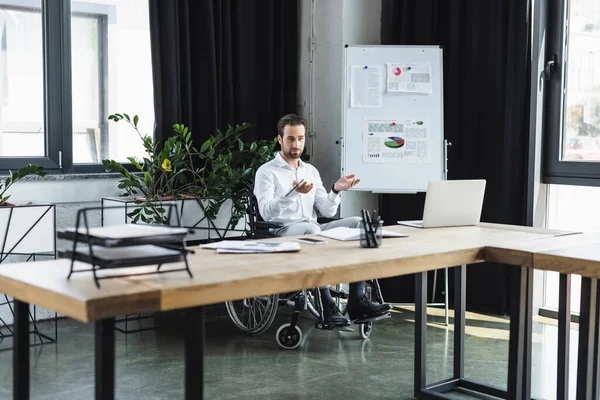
[(294, 188)]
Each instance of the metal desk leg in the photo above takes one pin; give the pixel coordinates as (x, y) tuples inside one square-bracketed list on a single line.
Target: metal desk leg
[(460, 297), (519, 347), (587, 334), (420, 333), (21, 351), (438, 390), (105, 359), (194, 354), (564, 334), (596, 376), (446, 304)]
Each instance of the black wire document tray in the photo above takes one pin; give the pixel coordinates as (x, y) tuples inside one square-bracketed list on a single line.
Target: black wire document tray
[(121, 257), (125, 235), (125, 246)]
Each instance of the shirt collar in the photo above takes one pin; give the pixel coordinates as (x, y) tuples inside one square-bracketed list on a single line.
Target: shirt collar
[(282, 163)]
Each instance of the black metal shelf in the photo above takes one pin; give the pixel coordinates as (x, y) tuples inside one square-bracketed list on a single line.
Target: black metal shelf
[(124, 246), (40, 335), (121, 257), (125, 235)]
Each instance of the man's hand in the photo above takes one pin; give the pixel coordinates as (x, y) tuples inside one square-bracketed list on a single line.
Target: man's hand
[(346, 182), (304, 187)]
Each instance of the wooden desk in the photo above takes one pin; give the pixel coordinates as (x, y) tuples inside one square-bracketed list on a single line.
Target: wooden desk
[(581, 259), (567, 254), (222, 277)]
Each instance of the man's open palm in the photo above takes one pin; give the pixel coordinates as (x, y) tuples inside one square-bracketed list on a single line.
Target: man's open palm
[(346, 182)]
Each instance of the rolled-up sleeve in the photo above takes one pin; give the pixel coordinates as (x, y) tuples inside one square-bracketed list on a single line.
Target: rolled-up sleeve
[(270, 206)]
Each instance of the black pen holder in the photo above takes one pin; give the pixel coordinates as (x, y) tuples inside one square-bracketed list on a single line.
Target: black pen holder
[(371, 238)]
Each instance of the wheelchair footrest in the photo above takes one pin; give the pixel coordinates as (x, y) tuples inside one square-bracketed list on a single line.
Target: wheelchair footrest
[(330, 327), (378, 317), (327, 327)]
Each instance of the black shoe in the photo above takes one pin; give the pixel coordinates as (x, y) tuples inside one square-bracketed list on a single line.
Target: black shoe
[(333, 316), (365, 308)]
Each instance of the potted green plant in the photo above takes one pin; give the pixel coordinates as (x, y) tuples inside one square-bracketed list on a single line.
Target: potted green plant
[(221, 170), (16, 176), (165, 173), (228, 166)]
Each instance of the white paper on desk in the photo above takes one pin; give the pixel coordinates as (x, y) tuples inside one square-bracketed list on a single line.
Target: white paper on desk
[(244, 246), (344, 234), (365, 86)]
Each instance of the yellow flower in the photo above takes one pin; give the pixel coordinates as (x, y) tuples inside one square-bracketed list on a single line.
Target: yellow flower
[(166, 165)]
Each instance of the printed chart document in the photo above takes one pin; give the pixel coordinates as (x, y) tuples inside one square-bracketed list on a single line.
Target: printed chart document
[(244, 246), (403, 141), (409, 78), (344, 234), (365, 84)]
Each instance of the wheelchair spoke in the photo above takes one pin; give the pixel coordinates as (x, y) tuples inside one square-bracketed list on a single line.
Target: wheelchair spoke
[(253, 315), (259, 304), (251, 318)]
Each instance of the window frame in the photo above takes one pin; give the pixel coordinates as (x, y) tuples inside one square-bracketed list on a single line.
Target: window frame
[(58, 118), (53, 108), (102, 15), (556, 171)]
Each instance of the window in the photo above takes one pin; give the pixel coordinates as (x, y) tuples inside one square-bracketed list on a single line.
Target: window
[(94, 56), (22, 131), (575, 208), (572, 118)]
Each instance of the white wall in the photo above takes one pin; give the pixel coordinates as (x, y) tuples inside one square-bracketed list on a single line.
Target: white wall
[(336, 23)]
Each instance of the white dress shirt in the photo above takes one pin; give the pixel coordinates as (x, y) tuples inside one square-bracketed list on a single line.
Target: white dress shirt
[(274, 180)]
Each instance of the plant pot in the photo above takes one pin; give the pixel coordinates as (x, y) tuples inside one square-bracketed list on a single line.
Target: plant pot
[(163, 198), (27, 233), (27, 229)]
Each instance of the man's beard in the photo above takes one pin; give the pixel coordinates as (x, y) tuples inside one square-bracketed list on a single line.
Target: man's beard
[(294, 156)]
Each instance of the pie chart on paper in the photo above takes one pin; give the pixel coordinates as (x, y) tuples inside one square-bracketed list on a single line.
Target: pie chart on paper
[(394, 142)]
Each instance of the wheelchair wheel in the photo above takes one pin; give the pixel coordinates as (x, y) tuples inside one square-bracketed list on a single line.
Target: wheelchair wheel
[(364, 330), (253, 315), (287, 338)]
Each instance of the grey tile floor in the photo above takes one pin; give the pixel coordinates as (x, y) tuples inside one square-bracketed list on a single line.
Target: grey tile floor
[(328, 365)]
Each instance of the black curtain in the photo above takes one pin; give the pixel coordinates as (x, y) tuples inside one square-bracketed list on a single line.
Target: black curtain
[(486, 116), (221, 62)]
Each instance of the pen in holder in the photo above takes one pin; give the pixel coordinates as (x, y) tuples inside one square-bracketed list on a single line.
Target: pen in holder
[(371, 231)]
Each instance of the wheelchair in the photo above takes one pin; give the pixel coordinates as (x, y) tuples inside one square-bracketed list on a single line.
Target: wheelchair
[(255, 315)]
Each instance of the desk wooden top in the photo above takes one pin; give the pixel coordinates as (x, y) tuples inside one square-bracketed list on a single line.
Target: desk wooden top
[(222, 277), (45, 283), (582, 259)]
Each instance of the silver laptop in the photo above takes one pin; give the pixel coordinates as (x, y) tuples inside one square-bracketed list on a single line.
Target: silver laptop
[(451, 203)]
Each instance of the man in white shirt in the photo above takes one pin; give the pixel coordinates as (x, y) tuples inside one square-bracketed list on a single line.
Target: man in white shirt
[(289, 190)]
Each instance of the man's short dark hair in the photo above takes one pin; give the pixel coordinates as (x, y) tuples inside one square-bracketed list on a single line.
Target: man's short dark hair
[(290, 119)]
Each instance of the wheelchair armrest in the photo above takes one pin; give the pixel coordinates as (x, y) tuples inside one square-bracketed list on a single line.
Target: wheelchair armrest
[(267, 225)]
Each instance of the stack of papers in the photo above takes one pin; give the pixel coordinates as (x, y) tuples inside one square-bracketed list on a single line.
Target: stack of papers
[(344, 234), (244, 246)]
